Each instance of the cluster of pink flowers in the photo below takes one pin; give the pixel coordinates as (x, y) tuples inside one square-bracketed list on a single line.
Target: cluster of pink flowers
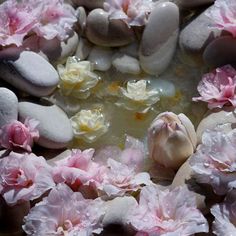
[(214, 162), (17, 135), (48, 19), (132, 12), (223, 14), (218, 87)]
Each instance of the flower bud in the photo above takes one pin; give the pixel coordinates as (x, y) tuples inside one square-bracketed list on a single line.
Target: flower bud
[(171, 139)]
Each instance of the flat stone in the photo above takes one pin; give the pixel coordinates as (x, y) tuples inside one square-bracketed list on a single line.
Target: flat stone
[(220, 52), (8, 106), (101, 57), (54, 126), (197, 34), (192, 3), (126, 64), (30, 73), (90, 4), (117, 210), (109, 33), (159, 39), (224, 119)]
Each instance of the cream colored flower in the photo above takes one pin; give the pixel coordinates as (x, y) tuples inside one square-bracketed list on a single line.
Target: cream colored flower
[(89, 124), (137, 96), (77, 78)]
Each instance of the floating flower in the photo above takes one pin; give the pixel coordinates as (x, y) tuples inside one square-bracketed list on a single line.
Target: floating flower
[(218, 87), (56, 19), (223, 14), (77, 78), (78, 169), (225, 216), (24, 177), (137, 96), (16, 22), (19, 135), (167, 213), (89, 124), (214, 162), (132, 12), (64, 212), (171, 139)]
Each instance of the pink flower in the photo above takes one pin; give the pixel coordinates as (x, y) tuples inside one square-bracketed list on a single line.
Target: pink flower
[(24, 177), (16, 21), (225, 216), (133, 12), (64, 212), (56, 19), (214, 162), (19, 135), (218, 88), (223, 14), (167, 213), (78, 169)]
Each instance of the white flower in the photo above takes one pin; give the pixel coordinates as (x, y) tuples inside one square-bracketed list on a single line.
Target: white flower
[(89, 124), (77, 78), (137, 96)]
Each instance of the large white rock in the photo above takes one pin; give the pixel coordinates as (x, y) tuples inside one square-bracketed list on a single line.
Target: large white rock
[(30, 73), (55, 129), (8, 106), (159, 38)]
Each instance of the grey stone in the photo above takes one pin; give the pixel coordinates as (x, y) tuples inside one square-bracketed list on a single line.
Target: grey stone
[(126, 64), (83, 49), (159, 39), (101, 57), (54, 126), (117, 210), (109, 33), (220, 52), (90, 4), (8, 106), (131, 49), (198, 34), (30, 73)]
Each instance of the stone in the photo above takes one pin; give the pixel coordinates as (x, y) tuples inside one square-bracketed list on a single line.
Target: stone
[(82, 17), (90, 4), (55, 129), (223, 119), (192, 3), (83, 49), (30, 73), (8, 106), (101, 57), (159, 38), (108, 33), (131, 49), (197, 34), (117, 210), (126, 64), (220, 52)]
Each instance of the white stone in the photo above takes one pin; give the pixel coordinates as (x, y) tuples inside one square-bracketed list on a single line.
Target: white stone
[(54, 126), (117, 210), (159, 38), (131, 49), (8, 106), (101, 57), (126, 64), (30, 73), (83, 49)]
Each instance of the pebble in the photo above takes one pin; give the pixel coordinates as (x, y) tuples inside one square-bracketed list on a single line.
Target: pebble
[(220, 52), (109, 33), (131, 49), (224, 119), (117, 210), (8, 106), (197, 34), (101, 58), (159, 38), (54, 126), (30, 73), (126, 64), (81, 24), (83, 49), (90, 4)]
